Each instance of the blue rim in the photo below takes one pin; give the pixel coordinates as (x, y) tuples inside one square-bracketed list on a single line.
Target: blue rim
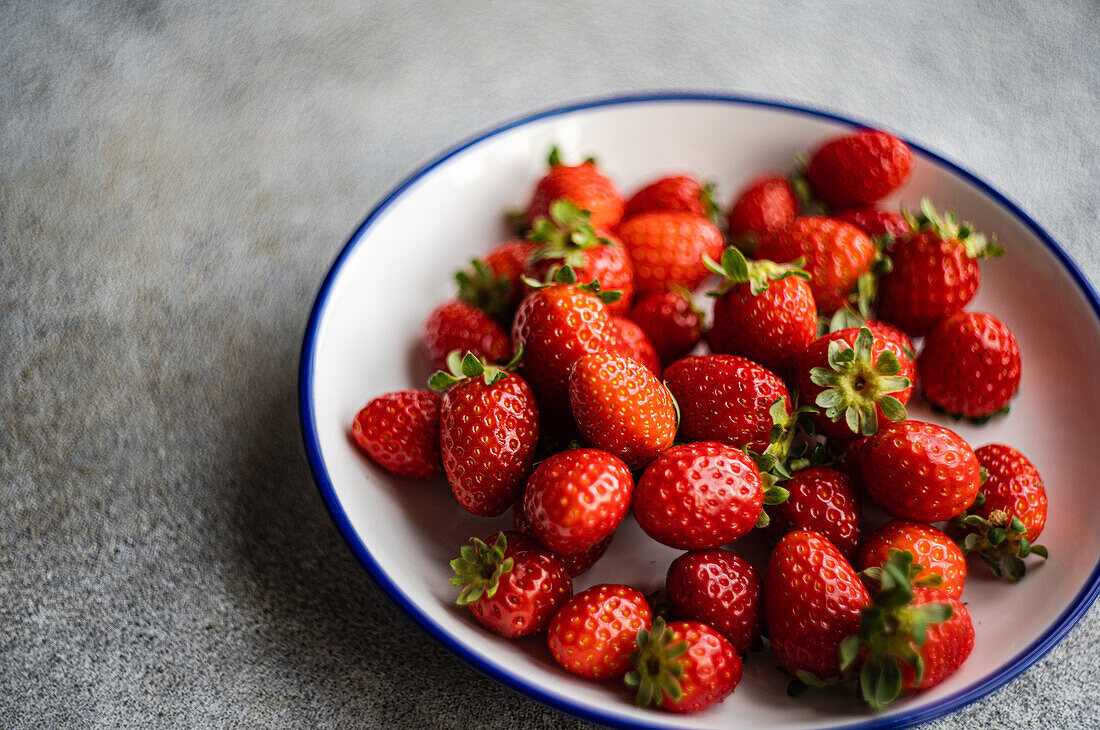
[(1022, 661)]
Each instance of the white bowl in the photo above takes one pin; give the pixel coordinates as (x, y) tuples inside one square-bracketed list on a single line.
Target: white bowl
[(362, 341)]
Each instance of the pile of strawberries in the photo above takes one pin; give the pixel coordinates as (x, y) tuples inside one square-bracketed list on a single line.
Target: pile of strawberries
[(569, 395)]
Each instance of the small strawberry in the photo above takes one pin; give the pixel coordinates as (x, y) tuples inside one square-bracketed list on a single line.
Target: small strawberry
[(634, 343), (672, 322), (720, 589), (582, 185), (400, 432), (667, 249), (684, 666), (970, 365), (859, 169), (821, 500), (489, 428), (766, 205), (593, 634), (576, 499), (919, 471), (621, 407), (456, 325), (575, 563), (511, 589), (678, 193), (875, 222), (939, 557), (494, 284)]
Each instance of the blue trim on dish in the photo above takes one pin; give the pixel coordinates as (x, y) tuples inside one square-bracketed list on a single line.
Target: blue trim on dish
[(1022, 661)]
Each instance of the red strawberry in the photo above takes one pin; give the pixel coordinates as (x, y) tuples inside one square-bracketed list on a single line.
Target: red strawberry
[(456, 325), (576, 499), (970, 365), (685, 666), (672, 322), (582, 185), (875, 222), (919, 471), (667, 249), (512, 589), (720, 589), (931, 548), (859, 169), (634, 343), (821, 500), (680, 193), (836, 255), (593, 634), (400, 432), (768, 204), (764, 311), (489, 428), (935, 271), (947, 644), (575, 563), (621, 407), (495, 283), (897, 341), (699, 496)]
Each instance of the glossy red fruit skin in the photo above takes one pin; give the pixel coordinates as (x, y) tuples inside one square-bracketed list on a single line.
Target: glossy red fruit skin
[(712, 668), (932, 548), (875, 222), (575, 563), (947, 644), (528, 595), (621, 407), (593, 634), (836, 253), (678, 193), (932, 278), (771, 328), (698, 496), (667, 249), (509, 259), (576, 499), (488, 435), (970, 365), (919, 471), (582, 185), (812, 601), (456, 325), (609, 264), (720, 589), (1014, 486), (634, 343), (674, 326), (821, 500), (901, 342), (400, 432), (766, 205), (725, 398), (859, 169)]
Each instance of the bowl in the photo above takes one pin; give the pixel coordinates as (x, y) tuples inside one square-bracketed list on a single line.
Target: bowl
[(362, 340)]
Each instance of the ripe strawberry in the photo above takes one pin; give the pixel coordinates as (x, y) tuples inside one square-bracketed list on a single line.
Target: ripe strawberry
[(824, 501), (699, 496), (678, 193), (685, 666), (919, 471), (836, 255), (970, 365), (768, 204), (947, 644), (582, 185), (875, 222), (576, 499), (897, 341), (667, 249), (456, 325), (621, 407), (764, 311), (593, 634), (672, 322), (634, 343), (575, 563), (512, 589), (940, 559), (494, 284), (489, 428), (859, 169), (400, 432), (720, 589), (935, 271)]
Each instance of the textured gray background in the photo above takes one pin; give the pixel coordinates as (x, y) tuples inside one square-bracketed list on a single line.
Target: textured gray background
[(175, 179)]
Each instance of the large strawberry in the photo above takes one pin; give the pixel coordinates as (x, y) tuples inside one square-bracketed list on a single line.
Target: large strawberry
[(582, 185), (681, 193), (671, 320), (593, 634), (932, 549), (766, 205), (456, 325), (400, 432), (634, 343), (575, 563), (667, 248), (513, 589), (489, 428), (970, 365), (821, 500), (684, 666), (859, 169), (720, 589)]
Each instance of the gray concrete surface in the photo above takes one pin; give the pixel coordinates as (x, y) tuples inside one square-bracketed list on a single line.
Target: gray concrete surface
[(174, 180)]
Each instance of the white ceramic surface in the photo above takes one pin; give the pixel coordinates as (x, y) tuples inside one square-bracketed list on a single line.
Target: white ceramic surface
[(363, 341)]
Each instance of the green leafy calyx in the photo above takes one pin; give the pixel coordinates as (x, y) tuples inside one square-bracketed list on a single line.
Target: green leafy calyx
[(1000, 540), (471, 366), (757, 274), (486, 290), (565, 235), (566, 275), (947, 227), (479, 568), (657, 665), (854, 385)]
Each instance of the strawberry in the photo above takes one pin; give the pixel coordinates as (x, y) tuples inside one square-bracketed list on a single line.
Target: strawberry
[(667, 249), (919, 471), (456, 325), (859, 169), (700, 495), (768, 204), (836, 255), (896, 341), (592, 635), (489, 428), (940, 559), (935, 271), (764, 311), (621, 407), (824, 501), (720, 589), (684, 666), (582, 185), (678, 193), (576, 499), (400, 432), (875, 222), (494, 284), (970, 365), (634, 343), (671, 321), (575, 563), (511, 589), (947, 644)]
